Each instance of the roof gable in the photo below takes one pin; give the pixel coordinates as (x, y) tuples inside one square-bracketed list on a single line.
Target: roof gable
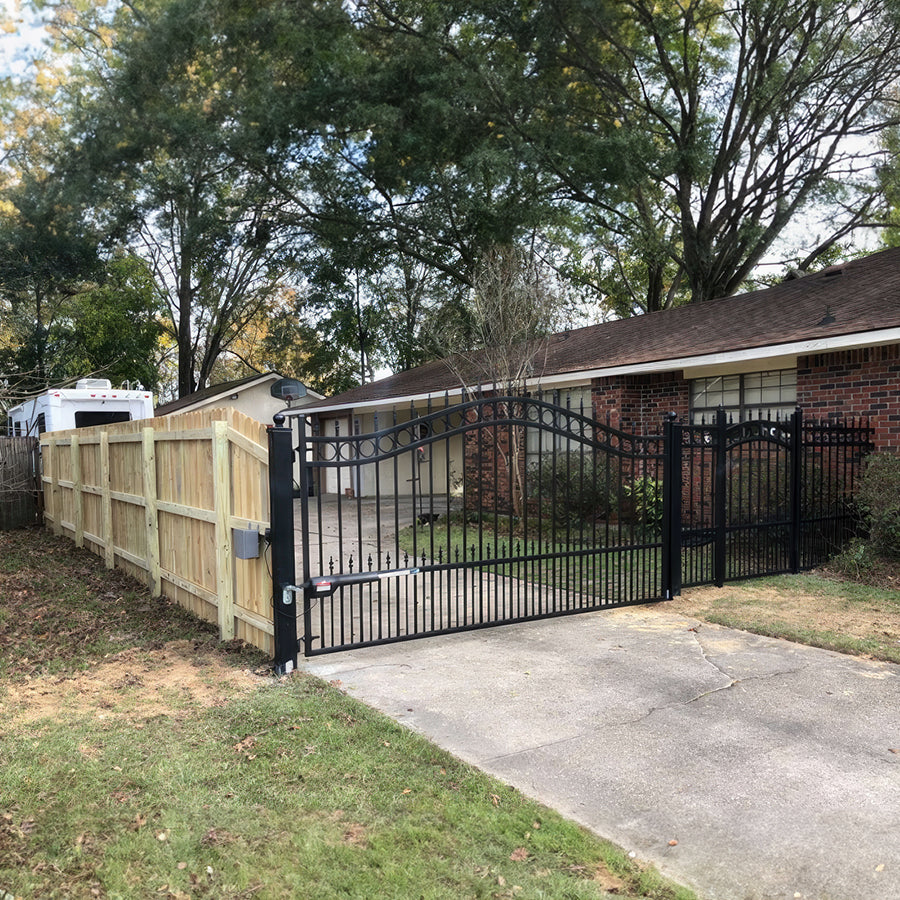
[(224, 389)]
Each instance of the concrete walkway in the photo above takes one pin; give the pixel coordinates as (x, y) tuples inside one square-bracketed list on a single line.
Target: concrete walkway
[(775, 767)]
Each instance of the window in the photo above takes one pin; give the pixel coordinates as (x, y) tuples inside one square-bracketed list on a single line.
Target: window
[(754, 394), (576, 400), (88, 418)]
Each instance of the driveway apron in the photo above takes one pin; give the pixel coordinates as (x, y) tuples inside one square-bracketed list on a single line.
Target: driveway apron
[(744, 767)]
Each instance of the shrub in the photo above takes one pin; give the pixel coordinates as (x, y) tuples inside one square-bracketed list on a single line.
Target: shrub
[(878, 500), (646, 496)]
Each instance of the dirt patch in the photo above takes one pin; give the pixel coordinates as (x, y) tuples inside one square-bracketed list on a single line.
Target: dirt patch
[(134, 684)]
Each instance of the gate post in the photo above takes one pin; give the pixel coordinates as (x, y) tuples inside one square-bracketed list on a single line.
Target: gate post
[(720, 500), (671, 537), (796, 483), (281, 537)]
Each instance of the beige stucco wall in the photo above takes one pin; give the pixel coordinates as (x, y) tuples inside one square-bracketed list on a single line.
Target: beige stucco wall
[(435, 470)]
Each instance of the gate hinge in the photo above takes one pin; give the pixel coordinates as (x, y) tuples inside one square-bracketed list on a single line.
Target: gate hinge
[(287, 592)]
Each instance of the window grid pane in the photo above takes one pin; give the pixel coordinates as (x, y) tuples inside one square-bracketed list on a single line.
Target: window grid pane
[(754, 394)]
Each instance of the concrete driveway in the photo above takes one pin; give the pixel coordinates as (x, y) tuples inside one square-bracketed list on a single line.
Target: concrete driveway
[(775, 767)]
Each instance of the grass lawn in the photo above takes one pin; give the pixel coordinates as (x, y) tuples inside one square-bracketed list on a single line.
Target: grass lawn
[(141, 758), (544, 557), (815, 608)]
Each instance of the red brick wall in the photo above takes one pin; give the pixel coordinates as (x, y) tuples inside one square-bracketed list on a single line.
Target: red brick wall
[(640, 403), (854, 383)]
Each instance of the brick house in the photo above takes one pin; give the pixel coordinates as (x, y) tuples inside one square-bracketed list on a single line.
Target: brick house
[(827, 342)]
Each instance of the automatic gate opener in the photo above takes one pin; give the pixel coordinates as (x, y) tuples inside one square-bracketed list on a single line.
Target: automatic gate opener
[(326, 585)]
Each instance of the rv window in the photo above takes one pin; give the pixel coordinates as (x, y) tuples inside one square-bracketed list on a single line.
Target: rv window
[(41, 423), (18, 428), (87, 418)]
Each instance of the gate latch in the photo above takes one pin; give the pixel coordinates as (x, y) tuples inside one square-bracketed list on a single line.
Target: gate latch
[(287, 590)]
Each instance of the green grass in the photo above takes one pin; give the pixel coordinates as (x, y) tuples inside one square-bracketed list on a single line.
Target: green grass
[(290, 790), (297, 791), (578, 562), (813, 609)]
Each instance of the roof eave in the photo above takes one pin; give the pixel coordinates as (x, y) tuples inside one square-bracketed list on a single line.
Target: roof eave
[(769, 351)]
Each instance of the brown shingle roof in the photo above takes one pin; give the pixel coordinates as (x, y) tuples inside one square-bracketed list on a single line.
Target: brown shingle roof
[(862, 295), (214, 390)]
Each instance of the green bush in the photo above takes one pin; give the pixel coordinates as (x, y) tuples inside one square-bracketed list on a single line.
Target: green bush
[(574, 488), (646, 496), (878, 500)]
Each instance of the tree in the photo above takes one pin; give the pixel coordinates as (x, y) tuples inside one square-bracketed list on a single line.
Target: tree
[(46, 256), (148, 145), (761, 110), (498, 342), (112, 327)]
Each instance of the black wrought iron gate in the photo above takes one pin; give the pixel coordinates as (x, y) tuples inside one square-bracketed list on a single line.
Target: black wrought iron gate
[(762, 497), (507, 509)]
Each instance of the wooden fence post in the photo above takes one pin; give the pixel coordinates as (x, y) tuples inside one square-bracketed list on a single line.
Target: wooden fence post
[(224, 564), (150, 510), (55, 502), (77, 495), (109, 548)]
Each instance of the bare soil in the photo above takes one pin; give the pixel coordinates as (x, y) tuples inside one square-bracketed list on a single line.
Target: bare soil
[(76, 639), (134, 684)]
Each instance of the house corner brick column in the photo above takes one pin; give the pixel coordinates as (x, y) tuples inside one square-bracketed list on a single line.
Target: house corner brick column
[(854, 383), (640, 403)]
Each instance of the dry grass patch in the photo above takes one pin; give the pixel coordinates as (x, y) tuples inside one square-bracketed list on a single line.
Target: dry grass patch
[(816, 609)]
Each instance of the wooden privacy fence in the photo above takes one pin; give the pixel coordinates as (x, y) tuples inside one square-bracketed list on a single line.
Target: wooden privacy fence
[(158, 498), (19, 485)]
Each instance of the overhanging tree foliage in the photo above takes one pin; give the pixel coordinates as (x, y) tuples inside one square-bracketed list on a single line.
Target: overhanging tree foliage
[(367, 155), (762, 111)]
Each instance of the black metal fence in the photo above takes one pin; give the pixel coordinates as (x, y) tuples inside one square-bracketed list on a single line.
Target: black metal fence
[(506, 509), (762, 497)]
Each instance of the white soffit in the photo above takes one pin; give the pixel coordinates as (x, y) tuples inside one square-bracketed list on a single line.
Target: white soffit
[(753, 359), (749, 360)]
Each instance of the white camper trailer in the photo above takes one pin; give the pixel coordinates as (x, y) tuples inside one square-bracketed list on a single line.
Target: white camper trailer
[(93, 401)]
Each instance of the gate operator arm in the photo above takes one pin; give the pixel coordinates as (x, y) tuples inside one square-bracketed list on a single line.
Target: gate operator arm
[(326, 585)]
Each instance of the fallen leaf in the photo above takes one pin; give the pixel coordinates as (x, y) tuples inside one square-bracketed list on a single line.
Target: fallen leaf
[(182, 865), (879, 867), (407, 790), (162, 836), (673, 843), (495, 800), (519, 854), (894, 749)]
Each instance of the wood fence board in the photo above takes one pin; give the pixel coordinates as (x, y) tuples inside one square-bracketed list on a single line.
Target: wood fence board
[(154, 498)]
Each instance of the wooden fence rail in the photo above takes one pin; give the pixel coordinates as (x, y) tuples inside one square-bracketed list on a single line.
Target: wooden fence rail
[(159, 498)]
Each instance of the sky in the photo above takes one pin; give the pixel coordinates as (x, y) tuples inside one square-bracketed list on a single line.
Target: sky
[(18, 46)]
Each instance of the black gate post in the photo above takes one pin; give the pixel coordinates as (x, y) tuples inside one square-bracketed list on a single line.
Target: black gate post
[(671, 562), (796, 483), (305, 485), (720, 488), (281, 536)]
